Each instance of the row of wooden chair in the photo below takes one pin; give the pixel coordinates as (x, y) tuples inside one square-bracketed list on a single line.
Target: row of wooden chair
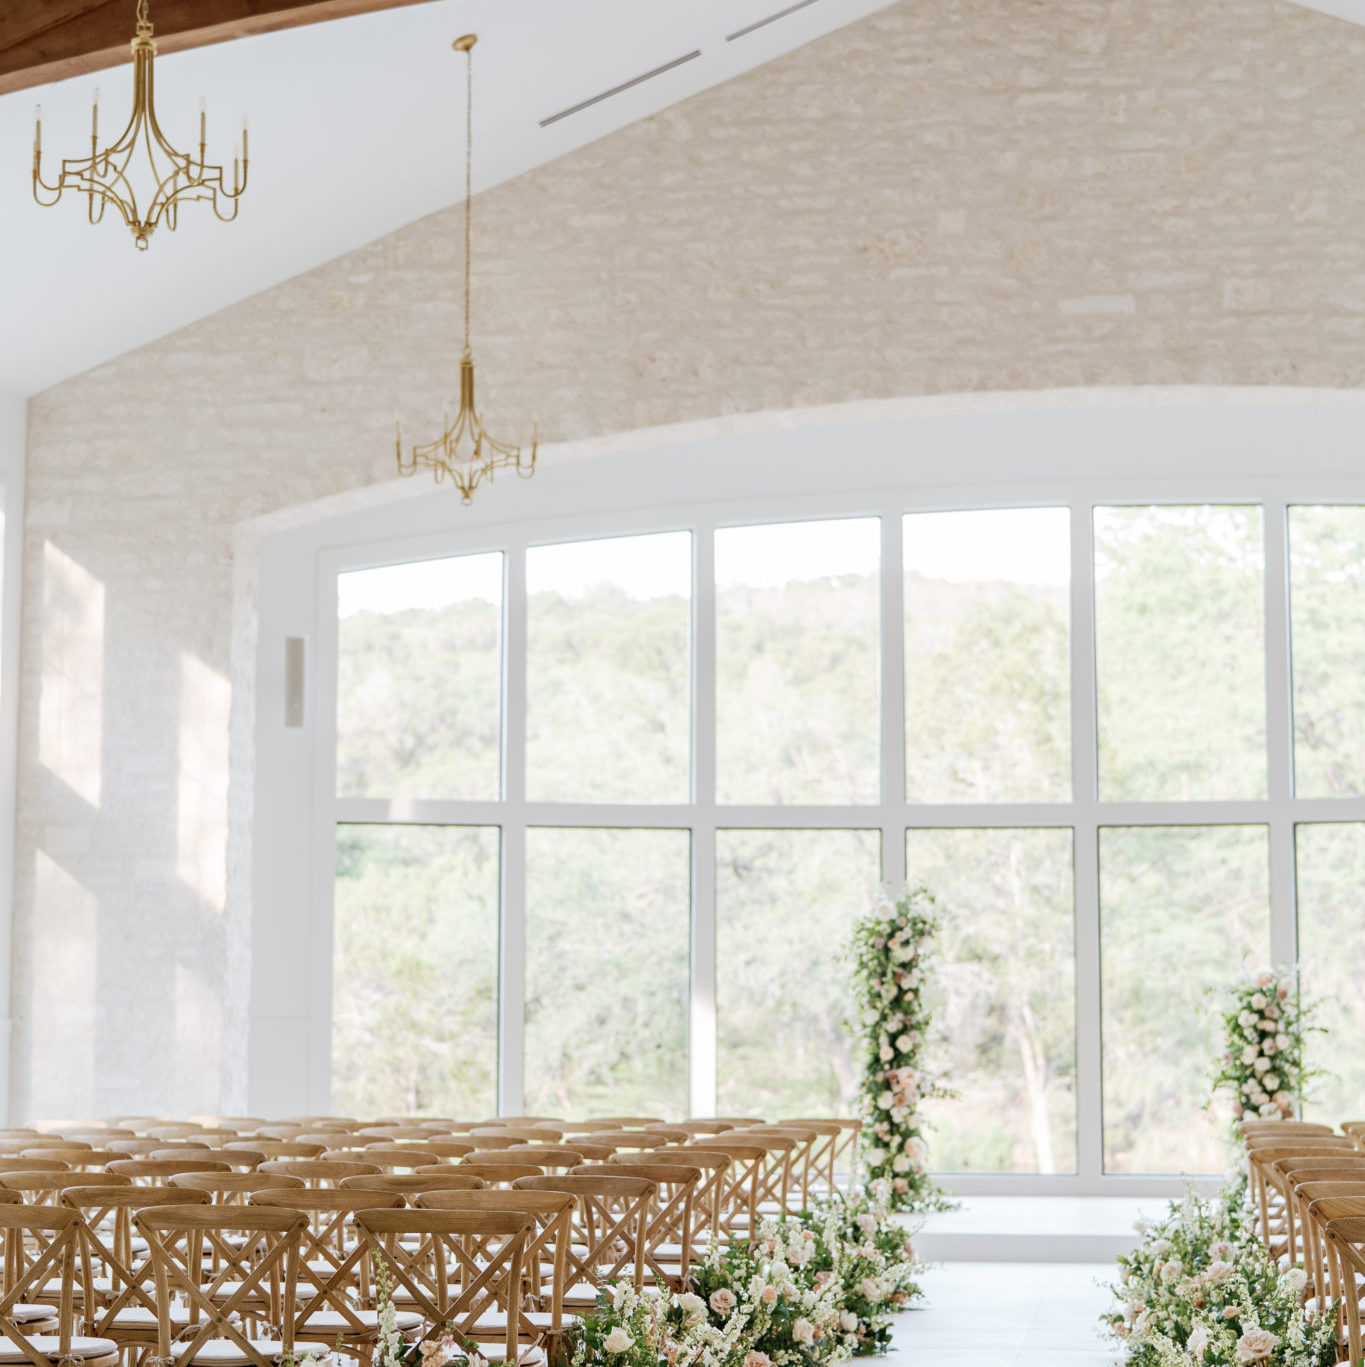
[(503, 1230), (1307, 1184)]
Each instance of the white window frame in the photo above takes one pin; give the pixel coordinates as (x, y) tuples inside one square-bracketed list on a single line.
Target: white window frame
[(1213, 451)]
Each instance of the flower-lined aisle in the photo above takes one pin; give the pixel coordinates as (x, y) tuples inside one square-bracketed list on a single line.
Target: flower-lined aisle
[(1202, 1290)]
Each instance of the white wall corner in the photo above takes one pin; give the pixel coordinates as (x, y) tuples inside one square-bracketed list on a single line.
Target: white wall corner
[(13, 454)]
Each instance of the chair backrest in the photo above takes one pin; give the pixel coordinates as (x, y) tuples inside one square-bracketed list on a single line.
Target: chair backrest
[(630, 1139), (45, 1188), (453, 1267), (495, 1174), (235, 1188), (383, 1156), (672, 1221), (338, 1266), (611, 1224), (523, 1134), (255, 1260), (836, 1140), (703, 1127), (136, 1148), (414, 1183), (710, 1192), (107, 1249), (319, 1172), (41, 1245), (17, 1164), (487, 1137), (551, 1157), (629, 1122), (739, 1190), (275, 1148), (740, 1122), (552, 1213), (449, 1148), (155, 1171)]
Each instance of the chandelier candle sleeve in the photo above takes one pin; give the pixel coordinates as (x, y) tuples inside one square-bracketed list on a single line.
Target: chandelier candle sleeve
[(465, 453), (142, 174)]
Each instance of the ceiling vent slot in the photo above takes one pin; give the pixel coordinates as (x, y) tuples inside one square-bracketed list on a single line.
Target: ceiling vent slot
[(771, 19), (625, 85)]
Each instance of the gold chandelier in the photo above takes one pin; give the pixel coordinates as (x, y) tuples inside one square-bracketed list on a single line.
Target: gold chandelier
[(464, 452), (107, 176)]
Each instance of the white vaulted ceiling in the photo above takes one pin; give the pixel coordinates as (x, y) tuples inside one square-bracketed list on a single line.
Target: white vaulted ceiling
[(355, 128)]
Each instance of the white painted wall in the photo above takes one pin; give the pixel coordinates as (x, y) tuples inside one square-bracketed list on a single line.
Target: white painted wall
[(13, 439)]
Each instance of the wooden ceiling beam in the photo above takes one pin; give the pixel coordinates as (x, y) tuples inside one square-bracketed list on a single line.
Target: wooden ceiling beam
[(51, 40)]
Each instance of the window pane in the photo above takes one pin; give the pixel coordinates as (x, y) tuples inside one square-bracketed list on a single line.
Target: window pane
[(608, 635), (786, 902), (1182, 910), (415, 970), (987, 664), (1327, 593), (608, 930), (1331, 874), (796, 662), (1180, 649), (419, 690), (1005, 1004)]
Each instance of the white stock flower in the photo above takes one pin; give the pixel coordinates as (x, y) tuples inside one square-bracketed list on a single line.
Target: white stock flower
[(1296, 1279), (692, 1306), (867, 1222), (803, 1331), (1198, 1342), (618, 1341)]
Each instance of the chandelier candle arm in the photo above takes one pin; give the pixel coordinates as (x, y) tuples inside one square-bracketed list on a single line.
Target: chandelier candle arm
[(465, 453), (168, 178)]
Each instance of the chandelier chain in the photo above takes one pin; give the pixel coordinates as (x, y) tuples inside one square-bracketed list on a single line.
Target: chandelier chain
[(468, 181), (144, 19)]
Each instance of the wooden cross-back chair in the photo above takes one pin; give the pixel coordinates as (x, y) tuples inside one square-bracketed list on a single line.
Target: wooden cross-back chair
[(628, 1122), (256, 1256), (45, 1188), (1343, 1231), (117, 1290), (669, 1235), (637, 1140), (445, 1150), (41, 1247), (1311, 1196), (545, 1259), (332, 1302), (706, 1201), (1283, 1176), (235, 1188), (1265, 1198), (522, 1134), (549, 1157), (453, 1267), (610, 1227), (319, 1173), (489, 1139), (17, 1164), (800, 1183), (837, 1143), (737, 1198), (274, 1148)]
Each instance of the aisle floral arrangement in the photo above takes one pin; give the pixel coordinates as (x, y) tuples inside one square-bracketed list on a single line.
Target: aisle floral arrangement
[(892, 948), (1202, 1288), (808, 1290), (1262, 1065)]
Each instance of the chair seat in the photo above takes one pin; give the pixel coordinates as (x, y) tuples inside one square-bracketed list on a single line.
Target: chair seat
[(496, 1321), (140, 1317), (50, 1346), (332, 1322), (227, 1353), (26, 1313)]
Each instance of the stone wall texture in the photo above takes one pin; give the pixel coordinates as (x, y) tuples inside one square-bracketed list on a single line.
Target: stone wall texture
[(950, 195)]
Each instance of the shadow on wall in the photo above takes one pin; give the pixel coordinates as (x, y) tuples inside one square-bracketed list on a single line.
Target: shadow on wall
[(119, 995)]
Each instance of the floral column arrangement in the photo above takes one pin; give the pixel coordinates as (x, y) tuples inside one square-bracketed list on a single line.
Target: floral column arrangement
[(891, 960), (1264, 1024)]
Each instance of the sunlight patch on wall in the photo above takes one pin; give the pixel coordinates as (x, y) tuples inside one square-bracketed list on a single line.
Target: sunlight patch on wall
[(202, 780), (63, 1067), (71, 706)]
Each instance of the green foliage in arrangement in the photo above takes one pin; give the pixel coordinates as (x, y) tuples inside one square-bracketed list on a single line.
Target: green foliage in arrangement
[(1264, 1023), (891, 953), (1201, 1289)]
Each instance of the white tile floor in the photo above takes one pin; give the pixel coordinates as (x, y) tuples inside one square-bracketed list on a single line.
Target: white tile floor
[(1040, 1315)]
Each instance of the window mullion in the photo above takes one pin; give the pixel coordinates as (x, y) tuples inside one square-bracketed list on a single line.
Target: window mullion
[(512, 953)]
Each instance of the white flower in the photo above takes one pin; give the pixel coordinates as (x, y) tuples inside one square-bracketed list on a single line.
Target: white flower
[(618, 1341), (871, 1291), (1250, 1054), (1172, 1271), (848, 1322), (1282, 1042), (900, 1163), (692, 1306), (885, 1101), (1268, 1109), (1258, 999), (867, 1222), (1256, 1345), (1262, 1065), (1247, 1018), (1161, 1248), (803, 1331), (1216, 1273), (876, 1157), (798, 1255), (886, 1053), (723, 1300), (904, 1043), (1198, 1341), (1272, 1082), (1296, 1279)]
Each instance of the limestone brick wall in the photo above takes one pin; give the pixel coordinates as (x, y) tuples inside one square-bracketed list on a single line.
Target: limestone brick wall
[(950, 195)]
